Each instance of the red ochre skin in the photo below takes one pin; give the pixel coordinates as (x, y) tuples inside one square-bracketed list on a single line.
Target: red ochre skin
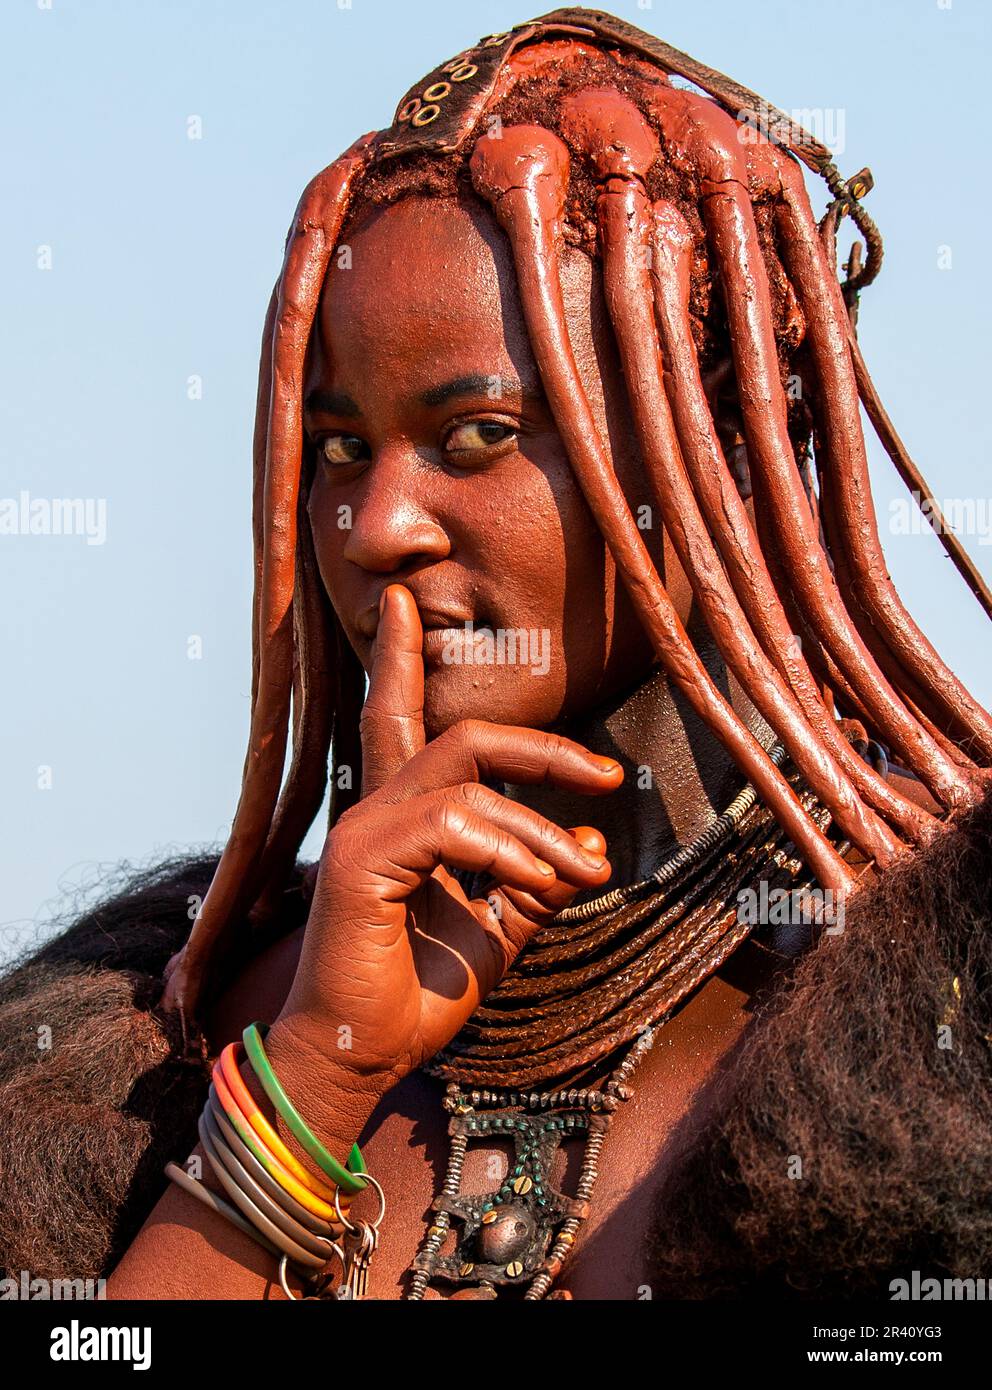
[(523, 173), (441, 529), (507, 540), (514, 508)]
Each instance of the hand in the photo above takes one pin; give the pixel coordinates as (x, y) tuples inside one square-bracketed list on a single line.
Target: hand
[(395, 956)]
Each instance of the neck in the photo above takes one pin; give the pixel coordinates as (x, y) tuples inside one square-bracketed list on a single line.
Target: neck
[(678, 774)]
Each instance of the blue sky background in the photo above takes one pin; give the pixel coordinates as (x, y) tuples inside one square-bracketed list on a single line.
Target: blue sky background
[(164, 250)]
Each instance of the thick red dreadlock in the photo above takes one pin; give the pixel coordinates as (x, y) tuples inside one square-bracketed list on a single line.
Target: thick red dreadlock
[(811, 566)]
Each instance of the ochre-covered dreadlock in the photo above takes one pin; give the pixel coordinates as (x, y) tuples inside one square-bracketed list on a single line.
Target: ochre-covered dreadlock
[(695, 226)]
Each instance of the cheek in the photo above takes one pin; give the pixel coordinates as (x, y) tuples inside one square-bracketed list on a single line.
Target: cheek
[(536, 539), (599, 639), (329, 515), (532, 561), (519, 536), (525, 551), (542, 556)]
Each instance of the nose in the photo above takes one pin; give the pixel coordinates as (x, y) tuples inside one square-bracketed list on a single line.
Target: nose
[(393, 522)]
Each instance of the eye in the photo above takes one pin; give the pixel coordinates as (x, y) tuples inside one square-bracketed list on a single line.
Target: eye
[(343, 448), (474, 436)]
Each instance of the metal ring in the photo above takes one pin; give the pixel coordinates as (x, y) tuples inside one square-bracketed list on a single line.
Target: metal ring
[(284, 1265), (408, 109), (372, 1182), (463, 74), (437, 91), (426, 114)]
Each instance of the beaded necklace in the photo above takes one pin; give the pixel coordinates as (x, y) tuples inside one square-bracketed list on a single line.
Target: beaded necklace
[(595, 984)]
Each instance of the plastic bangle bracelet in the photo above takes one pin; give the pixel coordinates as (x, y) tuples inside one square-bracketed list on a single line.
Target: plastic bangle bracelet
[(347, 1181), (265, 1180), (282, 1175), (217, 1204), (258, 1219), (257, 1195), (249, 1108)]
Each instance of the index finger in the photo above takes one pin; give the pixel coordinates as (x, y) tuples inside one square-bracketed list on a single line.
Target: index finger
[(474, 751), (392, 720)]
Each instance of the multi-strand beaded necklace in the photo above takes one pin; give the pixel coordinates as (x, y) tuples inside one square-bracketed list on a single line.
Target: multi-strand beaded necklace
[(591, 989)]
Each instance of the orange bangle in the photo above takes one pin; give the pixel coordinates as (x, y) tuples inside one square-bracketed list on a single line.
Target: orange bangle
[(306, 1198), (246, 1103), (314, 1204)]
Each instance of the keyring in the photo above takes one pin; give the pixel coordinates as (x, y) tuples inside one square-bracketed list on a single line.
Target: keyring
[(350, 1226), (284, 1265)]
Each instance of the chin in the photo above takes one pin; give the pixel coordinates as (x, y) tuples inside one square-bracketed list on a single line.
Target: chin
[(500, 696)]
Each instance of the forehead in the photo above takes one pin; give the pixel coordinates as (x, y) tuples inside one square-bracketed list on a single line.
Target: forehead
[(426, 280), (423, 269)]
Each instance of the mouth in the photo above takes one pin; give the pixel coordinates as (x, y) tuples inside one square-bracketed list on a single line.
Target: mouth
[(447, 645), (449, 637)]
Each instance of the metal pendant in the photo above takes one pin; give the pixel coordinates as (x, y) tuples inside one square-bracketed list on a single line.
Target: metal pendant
[(516, 1237)]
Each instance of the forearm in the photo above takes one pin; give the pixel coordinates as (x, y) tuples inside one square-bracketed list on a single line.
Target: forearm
[(186, 1251)]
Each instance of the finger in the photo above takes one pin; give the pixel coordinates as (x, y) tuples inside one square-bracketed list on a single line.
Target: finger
[(517, 916), (405, 844), (392, 721), (509, 917), (483, 936), (565, 852), (473, 751), (589, 838), (520, 914)]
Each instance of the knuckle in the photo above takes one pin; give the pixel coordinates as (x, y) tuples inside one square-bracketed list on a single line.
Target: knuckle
[(465, 733), (549, 743), (347, 819), (474, 794), (447, 742), (548, 833), (448, 816), (551, 746)]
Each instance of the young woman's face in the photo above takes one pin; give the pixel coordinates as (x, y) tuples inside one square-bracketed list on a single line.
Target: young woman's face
[(438, 466)]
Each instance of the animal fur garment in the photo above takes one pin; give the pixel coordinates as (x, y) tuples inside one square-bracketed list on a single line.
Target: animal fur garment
[(95, 1094), (852, 1140)]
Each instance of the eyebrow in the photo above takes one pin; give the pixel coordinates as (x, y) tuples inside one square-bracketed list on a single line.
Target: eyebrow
[(495, 387), (331, 403), (321, 402)]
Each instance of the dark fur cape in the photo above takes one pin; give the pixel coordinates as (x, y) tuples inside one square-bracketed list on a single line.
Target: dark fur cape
[(868, 1064), (95, 1093), (872, 1066)]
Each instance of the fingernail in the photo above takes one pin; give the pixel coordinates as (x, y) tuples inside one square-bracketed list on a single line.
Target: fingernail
[(544, 868), (607, 765), (595, 861)]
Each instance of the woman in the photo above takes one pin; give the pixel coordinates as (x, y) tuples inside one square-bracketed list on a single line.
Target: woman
[(541, 384)]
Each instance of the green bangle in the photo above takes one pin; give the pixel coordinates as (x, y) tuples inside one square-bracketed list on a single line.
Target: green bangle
[(347, 1181)]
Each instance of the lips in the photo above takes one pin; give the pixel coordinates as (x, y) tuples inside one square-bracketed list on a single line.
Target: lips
[(435, 621), (457, 645)]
